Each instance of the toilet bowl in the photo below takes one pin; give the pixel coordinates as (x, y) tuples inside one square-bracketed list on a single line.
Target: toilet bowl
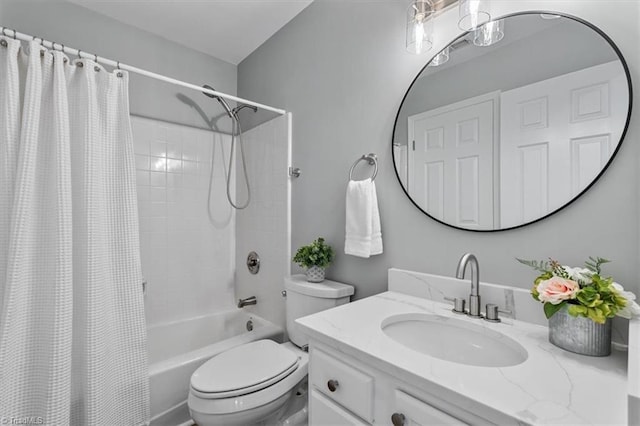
[(223, 394), (257, 383)]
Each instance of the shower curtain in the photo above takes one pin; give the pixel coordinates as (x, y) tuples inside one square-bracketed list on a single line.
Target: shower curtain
[(72, 328)]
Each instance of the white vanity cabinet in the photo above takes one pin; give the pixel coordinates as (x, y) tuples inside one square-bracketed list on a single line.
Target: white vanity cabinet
[(345, 390), (359, 374)]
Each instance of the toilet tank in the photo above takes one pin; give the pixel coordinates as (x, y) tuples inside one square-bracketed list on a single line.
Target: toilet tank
[(305, 298)]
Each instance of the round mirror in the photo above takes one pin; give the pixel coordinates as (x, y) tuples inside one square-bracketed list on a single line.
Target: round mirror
[(512, 122)]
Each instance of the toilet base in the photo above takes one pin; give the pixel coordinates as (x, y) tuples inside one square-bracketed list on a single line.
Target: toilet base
[(254, 416)]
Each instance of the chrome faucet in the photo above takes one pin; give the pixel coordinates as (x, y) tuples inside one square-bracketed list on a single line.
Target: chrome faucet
[(474, 297), (248, 301)]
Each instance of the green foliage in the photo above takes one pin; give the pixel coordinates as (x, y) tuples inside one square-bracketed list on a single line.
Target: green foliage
[(541, 266), (315, 254), (589, 297), (550, 308), (594, 264)]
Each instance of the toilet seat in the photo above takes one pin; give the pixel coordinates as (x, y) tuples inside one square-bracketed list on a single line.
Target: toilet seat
[(244, 369), (203, 405)]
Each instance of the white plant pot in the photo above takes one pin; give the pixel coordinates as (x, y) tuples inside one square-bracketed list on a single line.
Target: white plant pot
[(315, 274)]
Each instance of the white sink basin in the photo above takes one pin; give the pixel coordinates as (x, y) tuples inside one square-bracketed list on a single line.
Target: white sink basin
[(454, 340)]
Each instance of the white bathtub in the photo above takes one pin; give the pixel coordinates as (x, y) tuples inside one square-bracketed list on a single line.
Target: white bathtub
[(177, 349)]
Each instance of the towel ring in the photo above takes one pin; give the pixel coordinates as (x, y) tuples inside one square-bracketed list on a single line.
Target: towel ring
[(372, 159)]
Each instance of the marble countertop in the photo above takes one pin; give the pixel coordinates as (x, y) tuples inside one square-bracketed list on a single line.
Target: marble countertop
[(552, 386)]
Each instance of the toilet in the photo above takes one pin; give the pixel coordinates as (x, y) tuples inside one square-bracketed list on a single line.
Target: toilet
[(257, 382)]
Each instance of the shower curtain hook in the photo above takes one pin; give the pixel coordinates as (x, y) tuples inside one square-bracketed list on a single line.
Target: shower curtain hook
[(118, 65), (96, 57), (3, 33), (14, 34)]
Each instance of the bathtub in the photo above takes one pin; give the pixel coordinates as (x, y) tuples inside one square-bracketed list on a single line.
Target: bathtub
[(178, 348)]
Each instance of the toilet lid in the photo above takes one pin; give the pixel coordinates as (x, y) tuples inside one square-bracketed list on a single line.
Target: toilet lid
[(243, 369)]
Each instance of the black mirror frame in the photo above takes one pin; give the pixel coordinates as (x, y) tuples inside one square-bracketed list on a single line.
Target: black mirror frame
[(604, 169)]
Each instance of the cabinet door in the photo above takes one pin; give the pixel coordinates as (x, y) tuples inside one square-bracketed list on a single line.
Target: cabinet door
[(416, 412), (324, 412)]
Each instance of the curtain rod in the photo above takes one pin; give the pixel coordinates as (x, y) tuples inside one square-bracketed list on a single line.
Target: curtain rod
[(8, 32)]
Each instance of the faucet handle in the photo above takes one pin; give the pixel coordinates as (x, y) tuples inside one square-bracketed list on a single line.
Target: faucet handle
[(458, 304), (505, 311), (492, 313)]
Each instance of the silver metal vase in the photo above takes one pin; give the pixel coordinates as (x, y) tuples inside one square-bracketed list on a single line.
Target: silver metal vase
[(579, 335)]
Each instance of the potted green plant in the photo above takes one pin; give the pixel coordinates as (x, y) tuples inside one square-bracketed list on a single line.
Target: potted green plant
[(315, 257)]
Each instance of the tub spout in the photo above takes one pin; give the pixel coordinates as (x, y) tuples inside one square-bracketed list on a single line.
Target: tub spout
[(248, 301)]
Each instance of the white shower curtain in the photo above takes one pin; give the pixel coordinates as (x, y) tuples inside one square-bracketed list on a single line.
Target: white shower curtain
[(72, 328)]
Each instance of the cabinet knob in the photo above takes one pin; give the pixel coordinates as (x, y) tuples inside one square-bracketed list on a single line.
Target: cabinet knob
[(397, 419), (332, 385)]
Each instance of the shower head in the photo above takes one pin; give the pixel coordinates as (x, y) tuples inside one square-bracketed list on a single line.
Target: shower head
[(238, 108), (224, 103)]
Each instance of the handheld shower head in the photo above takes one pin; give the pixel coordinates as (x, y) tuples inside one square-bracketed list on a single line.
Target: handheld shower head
[(224, 103), (238, 108)]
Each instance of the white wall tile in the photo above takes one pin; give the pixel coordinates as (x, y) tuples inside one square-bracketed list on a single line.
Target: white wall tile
[(158, 179), (187, 261), (158, 148)]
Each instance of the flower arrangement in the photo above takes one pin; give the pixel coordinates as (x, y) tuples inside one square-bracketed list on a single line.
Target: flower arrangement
[(584, 290), (318, 253)]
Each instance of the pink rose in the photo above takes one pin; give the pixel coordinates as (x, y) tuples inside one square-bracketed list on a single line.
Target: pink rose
[(556, 289)]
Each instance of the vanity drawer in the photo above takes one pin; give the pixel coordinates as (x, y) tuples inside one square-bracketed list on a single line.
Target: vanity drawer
[(416, 412), (325, 412), (343, 383)]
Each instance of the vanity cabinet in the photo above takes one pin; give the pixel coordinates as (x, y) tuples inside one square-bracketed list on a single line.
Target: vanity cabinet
[(345, 390)]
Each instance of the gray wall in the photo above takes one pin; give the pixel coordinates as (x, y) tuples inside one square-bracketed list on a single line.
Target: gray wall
[(83, 29), (340, 67)]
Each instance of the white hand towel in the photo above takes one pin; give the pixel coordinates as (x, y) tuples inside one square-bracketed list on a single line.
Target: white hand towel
[(363, 237), (376, 231)]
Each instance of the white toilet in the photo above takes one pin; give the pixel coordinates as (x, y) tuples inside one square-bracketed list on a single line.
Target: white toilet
[(252, 383)]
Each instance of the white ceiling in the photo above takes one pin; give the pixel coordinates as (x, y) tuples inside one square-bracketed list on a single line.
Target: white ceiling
[(227, 29)]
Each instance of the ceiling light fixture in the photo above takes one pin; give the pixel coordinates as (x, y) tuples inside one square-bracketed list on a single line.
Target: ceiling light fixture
[(419, 26), (488, 34), (440, 58), (472, 14)]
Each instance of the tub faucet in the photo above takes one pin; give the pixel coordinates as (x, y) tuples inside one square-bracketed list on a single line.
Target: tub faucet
[(248, 301), (474, 297)]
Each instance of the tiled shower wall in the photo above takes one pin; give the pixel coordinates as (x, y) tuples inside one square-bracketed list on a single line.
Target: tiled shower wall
[(265, 225), (187, 256)]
